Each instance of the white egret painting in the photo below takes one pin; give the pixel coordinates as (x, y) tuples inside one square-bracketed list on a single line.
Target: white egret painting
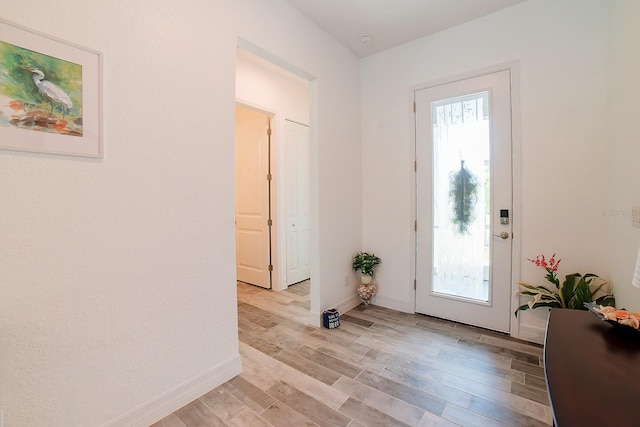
[(50, 94), (39, 92)]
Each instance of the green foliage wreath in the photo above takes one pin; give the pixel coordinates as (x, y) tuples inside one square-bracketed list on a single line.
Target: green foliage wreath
[(464, 195)]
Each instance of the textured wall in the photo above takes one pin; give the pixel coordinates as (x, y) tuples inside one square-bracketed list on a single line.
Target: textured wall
[(117, 276), (623, 140)]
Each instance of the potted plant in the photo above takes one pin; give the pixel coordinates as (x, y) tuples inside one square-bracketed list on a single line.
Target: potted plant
[(574, 292), (365, 263)]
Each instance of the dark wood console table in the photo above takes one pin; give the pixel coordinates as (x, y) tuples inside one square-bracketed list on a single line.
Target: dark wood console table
[(592, 370)]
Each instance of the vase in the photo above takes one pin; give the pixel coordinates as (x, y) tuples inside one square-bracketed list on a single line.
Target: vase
[(366, 291), (366, 279)]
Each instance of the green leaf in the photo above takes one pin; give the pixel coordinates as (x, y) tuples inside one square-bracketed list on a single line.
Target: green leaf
[(595, 291), (536, 289), (566, 290), (582, 294), (607, 300), (523, 307), (549, 304)]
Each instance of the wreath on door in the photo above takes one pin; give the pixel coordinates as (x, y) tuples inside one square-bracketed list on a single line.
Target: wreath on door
[(464, 196)]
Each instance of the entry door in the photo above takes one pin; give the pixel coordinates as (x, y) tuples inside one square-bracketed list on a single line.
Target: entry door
[(297, 201), (253, 246), (464, 201)]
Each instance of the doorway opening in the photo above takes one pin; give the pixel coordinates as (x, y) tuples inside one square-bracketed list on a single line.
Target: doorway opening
[(275, 250)]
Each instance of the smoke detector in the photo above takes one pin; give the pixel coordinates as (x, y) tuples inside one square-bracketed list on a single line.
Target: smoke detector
[(364, 39)]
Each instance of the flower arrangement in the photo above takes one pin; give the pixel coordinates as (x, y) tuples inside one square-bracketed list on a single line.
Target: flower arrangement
[(572, 293)]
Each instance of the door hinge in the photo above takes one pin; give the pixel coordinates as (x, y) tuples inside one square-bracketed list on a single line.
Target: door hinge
[(415, 166), (269, 222), (269, 177), (414, 284), (415, 225), (269, 131), (414, 106), (270, 267)]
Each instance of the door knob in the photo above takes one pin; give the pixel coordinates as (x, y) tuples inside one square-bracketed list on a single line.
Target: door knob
[(504, 235)]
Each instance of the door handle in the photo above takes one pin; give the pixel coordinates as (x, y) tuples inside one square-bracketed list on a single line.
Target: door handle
[(504, 235)]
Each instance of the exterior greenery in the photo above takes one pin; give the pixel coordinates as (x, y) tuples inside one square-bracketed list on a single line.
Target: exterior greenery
[(464, 195), (365, 262)]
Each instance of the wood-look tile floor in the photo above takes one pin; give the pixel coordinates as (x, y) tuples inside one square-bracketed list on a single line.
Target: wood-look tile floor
[(379, 368)]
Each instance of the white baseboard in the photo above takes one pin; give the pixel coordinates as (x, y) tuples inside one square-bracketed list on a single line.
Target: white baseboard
[(532, 334), (343, 306), (348, 304), (393, 304), (175, 398)]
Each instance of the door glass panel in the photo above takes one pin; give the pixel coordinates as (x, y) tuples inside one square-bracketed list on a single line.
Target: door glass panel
[(461, 197)]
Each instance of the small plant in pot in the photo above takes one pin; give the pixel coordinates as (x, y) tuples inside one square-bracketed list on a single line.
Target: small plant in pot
[(365, 262)]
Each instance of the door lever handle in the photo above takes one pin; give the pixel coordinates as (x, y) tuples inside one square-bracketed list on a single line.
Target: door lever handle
[(504, 235)]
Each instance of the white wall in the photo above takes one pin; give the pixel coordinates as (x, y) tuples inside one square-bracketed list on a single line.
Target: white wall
[(561, 48), (117, 275), (625, 149), (264, 85)]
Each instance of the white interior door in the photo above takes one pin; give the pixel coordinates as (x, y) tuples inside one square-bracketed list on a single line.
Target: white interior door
[(464, 201), (297, 201), (253, 246)]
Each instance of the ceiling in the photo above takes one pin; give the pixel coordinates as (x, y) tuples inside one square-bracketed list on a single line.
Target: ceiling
[(390, 23)]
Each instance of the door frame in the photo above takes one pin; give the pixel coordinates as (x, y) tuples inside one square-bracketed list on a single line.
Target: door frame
[(514, 68)]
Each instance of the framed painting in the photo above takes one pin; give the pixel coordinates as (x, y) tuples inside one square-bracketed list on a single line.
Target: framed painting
[(50, 94)]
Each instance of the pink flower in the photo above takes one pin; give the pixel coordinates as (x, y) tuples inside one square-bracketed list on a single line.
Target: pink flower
[(541, 261), (553, 263)]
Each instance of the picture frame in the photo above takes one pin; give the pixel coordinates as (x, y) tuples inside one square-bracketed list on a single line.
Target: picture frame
[(50, 94)]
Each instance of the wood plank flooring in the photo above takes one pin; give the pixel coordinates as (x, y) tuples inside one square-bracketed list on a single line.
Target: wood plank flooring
[(379, 368)]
